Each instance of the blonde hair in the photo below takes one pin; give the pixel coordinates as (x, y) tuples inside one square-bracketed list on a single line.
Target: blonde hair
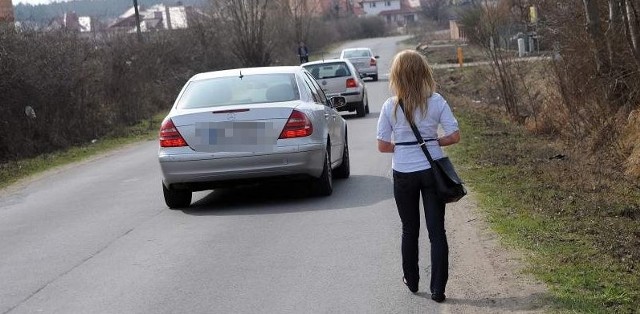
[(411, 80)]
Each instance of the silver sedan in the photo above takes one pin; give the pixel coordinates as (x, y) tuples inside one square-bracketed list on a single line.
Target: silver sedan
[(243, 126), (340, 78), (364, 60)]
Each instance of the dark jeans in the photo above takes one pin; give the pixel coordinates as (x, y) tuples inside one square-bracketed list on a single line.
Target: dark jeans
[(407, 188)]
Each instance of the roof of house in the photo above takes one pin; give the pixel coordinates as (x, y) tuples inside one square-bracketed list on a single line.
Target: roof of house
[(400, 11), (157, 16)]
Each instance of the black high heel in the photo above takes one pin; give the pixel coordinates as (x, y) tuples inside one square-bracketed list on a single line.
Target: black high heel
[(412, 288), (438, 297)]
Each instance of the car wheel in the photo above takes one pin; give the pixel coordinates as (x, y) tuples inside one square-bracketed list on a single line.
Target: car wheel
[(344, 170), (366, 106), (176, 199), (360, 109), (323, 186), (375, 77)]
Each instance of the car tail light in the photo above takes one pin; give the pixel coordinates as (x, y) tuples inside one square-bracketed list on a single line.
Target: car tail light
[(351, 83), (298, 125), (373, 62), (169, 135)]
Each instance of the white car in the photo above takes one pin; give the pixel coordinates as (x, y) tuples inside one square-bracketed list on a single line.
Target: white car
[(339, 77), (249, 125), (364, 60)]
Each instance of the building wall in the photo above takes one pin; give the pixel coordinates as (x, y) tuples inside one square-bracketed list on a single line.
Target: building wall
[(457, 33), (374, 7), (6, 11)]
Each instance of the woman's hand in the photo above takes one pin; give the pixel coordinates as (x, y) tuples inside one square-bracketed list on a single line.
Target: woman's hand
[(447, 140), (385, 147)]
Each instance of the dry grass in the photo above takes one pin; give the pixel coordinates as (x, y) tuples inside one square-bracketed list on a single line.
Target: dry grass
[(632, 141), (574, 210)]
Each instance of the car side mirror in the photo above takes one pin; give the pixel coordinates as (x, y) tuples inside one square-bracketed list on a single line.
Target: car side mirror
[(377, 57), (338, 101)]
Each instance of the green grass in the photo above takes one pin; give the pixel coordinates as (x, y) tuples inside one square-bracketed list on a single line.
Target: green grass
[(568, 234), (14, 171)]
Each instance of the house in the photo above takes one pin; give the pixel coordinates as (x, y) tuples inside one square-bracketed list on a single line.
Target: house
[(72, 22), (155, 18), (398, 12), (332, 8), (338, 8)]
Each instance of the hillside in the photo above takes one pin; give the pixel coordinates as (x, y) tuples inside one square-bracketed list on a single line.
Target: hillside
[(101, 9)]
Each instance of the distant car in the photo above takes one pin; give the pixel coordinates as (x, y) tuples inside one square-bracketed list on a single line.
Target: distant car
[(340, 78), (240, 126), (364, 60)]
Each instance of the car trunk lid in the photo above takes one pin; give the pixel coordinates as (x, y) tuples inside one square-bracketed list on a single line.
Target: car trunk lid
[(240, 129)]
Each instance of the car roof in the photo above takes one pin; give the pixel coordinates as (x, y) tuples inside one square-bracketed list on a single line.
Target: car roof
[(352, 49), (325, 61), (247, 71)]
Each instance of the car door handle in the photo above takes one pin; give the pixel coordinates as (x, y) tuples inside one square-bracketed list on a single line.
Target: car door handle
[(326, 116)]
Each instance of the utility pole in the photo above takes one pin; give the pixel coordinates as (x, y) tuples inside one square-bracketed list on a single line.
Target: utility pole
[(135, 9)]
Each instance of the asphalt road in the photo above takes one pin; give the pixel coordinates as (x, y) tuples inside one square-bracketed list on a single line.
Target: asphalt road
[(96, 237)]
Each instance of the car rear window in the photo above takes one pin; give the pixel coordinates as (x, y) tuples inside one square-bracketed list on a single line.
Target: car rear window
[(239, 90), (357, 54), (328, 70)]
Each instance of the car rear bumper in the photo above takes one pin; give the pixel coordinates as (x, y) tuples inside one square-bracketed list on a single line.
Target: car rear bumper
[(204, 171), (350, 97), (368, 71)]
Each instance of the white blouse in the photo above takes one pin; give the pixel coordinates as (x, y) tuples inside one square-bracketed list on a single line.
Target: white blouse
[(410, 158)]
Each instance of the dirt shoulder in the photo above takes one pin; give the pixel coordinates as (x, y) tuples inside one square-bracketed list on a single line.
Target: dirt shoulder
[(486, 277)]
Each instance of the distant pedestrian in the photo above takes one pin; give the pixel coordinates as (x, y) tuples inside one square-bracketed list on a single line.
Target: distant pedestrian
[(412, 82), (303, 53)]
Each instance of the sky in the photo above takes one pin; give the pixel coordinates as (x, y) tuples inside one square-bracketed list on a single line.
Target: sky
[(36, 1)]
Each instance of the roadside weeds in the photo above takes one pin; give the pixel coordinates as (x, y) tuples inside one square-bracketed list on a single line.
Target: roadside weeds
[(575, 220), (15, 171)]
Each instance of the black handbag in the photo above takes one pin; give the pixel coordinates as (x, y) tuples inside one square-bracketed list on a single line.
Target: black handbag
[(449, 187)]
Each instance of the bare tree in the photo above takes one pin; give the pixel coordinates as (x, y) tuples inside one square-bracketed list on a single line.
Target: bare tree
[(594, 29), (302, 16), (434, 9), (251, 28), (631, 22), (486, 24)]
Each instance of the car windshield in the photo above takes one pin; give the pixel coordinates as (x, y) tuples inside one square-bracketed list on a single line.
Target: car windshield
[(361, 53), (239, 90), (328, 70)]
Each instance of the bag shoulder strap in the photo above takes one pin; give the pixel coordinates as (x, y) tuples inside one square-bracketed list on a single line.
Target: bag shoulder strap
[(419, 138)]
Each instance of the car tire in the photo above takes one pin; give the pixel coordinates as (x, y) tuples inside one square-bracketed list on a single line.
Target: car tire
[(375, 77), (366, 105), (176, 199), (323, 186), (344, 170), (360, 108)]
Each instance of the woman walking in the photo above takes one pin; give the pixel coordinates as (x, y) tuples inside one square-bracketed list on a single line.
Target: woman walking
[(415, 101)]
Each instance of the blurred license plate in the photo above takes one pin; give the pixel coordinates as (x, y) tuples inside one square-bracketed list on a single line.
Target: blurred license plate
[(236, 136)]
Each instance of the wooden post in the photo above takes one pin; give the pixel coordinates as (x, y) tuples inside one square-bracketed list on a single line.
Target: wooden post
[(460, 56)]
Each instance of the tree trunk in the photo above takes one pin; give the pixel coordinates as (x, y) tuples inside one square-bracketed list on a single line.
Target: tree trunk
[(597, 36), (631, 30), (634, 24), (614, 34)]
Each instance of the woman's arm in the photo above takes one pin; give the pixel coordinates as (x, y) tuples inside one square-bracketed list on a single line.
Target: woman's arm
[(446, 140), (385, 147)]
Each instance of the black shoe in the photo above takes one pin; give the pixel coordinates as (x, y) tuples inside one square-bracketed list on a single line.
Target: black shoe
[(438, 297), (412, 288)]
